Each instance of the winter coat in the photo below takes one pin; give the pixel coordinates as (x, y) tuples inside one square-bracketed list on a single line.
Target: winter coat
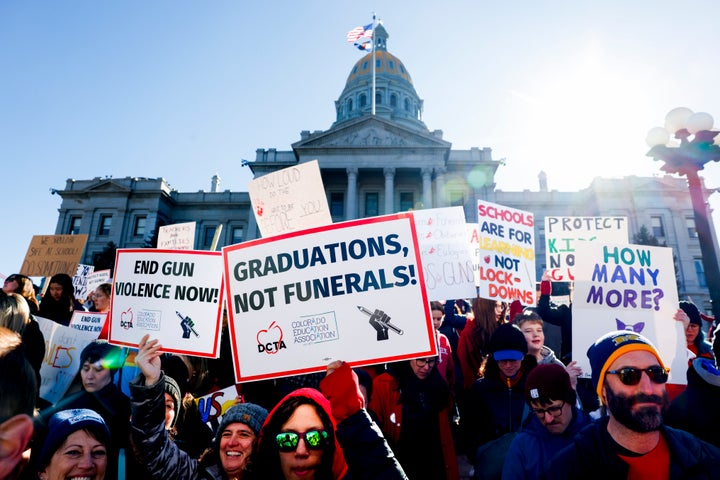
[(592, 456), (153, 447), (535, 445), (387, 404), (558, 315)]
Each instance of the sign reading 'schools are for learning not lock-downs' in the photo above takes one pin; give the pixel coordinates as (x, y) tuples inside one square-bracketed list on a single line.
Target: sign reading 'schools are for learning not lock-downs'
[(352, 291), (175, 296)]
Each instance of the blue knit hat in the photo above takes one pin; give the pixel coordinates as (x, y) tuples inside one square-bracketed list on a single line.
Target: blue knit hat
[(609, 347), (67, 422), (248, 413)]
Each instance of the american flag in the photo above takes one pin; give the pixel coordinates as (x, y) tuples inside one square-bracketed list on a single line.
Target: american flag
[(359, 32)]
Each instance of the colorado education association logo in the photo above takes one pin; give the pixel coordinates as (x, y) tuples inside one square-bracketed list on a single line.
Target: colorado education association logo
[(270, 340)]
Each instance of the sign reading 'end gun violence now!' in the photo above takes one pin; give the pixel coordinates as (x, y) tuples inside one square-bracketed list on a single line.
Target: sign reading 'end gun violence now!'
[(507, 253), (48, 255), (352, 291), (176, 296)]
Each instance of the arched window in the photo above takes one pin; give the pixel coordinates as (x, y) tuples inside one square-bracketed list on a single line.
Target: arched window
[(378, 98), (392, 64), (363, 100), (349, 105), (393, 100)]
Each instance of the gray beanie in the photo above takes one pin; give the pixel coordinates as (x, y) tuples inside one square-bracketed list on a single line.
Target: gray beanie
[(248, 413)]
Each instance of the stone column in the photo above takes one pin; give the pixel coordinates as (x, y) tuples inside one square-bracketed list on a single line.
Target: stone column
[(427, 187), (440, 187), (389, 190), (352, 211)]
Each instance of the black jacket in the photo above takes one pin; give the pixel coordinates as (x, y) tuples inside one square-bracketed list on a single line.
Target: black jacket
[(592, 456)]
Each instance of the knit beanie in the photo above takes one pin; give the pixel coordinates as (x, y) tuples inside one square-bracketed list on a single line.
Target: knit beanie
[(172, 389), (508, 343), (248, 413), (549, 382), (691, 311), (609, 347), (516, 308), (66, 422)]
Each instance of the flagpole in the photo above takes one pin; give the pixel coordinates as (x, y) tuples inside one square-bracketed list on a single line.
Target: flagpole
[(373, 65)]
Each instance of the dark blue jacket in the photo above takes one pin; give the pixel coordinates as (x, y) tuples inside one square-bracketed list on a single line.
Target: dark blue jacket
[(535, 445), (592, 455)]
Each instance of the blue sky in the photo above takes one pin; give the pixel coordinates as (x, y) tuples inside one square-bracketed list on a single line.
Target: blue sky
[(184, 90)]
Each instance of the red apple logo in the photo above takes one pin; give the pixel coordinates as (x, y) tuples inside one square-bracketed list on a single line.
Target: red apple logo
[(270, 340), (126, 319)]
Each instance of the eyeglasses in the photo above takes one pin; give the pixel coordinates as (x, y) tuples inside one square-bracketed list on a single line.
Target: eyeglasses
[(314, 440), (421, 362), (632, 375), (553, 411)]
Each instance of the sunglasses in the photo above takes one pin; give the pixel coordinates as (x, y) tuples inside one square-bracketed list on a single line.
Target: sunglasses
[(314, 440), (553, 411), (632, 375)]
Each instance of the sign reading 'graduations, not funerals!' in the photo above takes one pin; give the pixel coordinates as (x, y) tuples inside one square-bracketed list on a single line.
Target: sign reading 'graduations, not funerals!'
[(176, 296), (351, 291)]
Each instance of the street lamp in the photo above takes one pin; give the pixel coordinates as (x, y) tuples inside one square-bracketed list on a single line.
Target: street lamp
[(698, 145)]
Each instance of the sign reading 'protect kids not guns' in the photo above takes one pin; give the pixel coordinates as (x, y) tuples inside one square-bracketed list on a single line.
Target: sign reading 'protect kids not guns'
[(352, 291), (507, 253), (563, 234), (175, 296)]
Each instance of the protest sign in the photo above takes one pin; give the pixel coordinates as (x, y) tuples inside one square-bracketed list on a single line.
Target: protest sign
[(627, 287), (353, 291), (95, 279), (176, 296), (290, 199), (472, 236), (507, 253), (62, 357), (214, 405), (562, 234), (446, 255), (179, 236), (51, 254), (80, 280), (88, 321)]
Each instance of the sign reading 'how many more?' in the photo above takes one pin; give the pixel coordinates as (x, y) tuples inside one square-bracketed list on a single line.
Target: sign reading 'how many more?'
[(175, 296), (352, 291), (507, 253), (627, 287)]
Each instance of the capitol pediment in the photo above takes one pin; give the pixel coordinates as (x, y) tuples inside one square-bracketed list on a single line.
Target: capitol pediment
[(107, 185), (371, 133)]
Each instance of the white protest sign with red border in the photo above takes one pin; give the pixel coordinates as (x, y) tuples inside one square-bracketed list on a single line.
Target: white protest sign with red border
[(446, 255), (176, 296), (627, 287), (507, 253), (351, 291)]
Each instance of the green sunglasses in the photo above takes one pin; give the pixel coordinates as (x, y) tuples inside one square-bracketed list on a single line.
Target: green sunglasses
[(314, 440)]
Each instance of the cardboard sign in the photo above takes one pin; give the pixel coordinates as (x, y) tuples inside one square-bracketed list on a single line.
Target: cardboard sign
[(88, 321), (214, 405), (80, 281), (175, 296), (472, 237), (51, 254), (562, 235), (289, 200), (179, 236), (353, 291), (62, 357), (627, 287), (446, 256), (507, 253), (95, 279)]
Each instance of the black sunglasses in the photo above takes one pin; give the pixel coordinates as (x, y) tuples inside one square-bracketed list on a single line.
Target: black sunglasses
[(632, 375), (314, 440)]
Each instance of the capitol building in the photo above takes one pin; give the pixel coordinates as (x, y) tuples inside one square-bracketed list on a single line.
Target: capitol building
[(376, 164)]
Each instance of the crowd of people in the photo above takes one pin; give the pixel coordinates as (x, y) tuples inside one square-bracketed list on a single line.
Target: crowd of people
[(495, 395)]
